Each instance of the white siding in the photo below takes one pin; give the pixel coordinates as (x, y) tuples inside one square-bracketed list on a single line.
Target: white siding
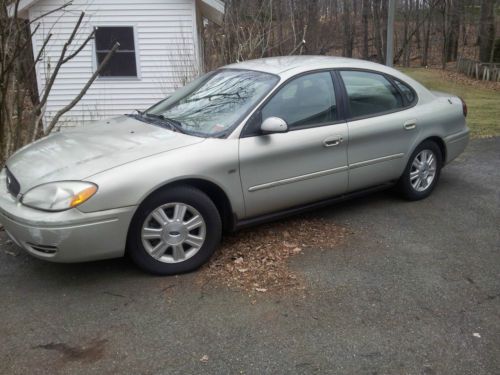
[(166, 48)]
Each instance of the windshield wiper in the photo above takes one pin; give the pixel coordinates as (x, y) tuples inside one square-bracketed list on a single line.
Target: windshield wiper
[(174, 124)]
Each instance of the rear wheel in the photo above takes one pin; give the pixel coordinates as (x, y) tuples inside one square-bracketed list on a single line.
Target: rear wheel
[(174, 231), (422, 171)]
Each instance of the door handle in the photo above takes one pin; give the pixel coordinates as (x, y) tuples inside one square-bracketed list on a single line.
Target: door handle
[(410, 124), (333, 141)]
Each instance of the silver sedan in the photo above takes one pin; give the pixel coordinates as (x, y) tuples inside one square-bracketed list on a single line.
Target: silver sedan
[(247, 143)]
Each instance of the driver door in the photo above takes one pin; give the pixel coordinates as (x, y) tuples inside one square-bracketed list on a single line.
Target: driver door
[(307, 163)]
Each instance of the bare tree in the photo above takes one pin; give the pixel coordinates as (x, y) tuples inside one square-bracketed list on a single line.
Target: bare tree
[(22, 108), (365, 17), (432, 31), (486, 30)]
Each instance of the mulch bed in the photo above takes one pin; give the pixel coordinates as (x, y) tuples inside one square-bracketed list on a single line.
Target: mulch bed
[(256, 260)]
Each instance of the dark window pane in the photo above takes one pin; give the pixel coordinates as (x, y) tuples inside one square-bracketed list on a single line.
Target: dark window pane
[(406, 91), (370, 93), (121, 64), (306, 100), (106, 37)]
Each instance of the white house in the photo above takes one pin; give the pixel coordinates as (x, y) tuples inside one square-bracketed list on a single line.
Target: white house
[(160, 48)]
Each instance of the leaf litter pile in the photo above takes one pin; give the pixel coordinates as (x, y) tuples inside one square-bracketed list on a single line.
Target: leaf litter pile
[(256, 260)]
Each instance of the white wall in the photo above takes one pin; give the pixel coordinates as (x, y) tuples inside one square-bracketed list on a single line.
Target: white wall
[(166, 47)]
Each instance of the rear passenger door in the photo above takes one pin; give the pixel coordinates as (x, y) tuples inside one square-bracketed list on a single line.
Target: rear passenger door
[(382, 124)]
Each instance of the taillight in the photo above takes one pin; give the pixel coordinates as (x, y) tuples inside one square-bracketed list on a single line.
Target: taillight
[(464, 107)]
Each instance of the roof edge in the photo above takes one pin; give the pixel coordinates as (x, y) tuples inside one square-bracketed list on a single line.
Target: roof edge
[(22, 9), (211, 9)]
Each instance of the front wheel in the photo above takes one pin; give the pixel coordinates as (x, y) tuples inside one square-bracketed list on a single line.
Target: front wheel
[(174, 231), (422, 171)]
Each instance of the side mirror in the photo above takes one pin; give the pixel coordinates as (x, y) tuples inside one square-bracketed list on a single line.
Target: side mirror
[(273, 125)]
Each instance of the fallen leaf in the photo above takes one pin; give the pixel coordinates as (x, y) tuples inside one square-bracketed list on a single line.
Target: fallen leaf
[(256, 260), (11, 253)]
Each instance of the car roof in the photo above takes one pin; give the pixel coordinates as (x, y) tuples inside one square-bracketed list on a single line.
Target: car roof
[(279, 65)]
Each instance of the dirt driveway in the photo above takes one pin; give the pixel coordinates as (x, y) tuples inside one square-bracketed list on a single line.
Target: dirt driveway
[(415, 289)]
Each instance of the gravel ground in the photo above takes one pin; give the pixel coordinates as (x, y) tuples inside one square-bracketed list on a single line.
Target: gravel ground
[(413, 289)]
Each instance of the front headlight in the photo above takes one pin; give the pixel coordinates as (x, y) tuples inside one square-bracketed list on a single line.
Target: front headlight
[(59, 196)]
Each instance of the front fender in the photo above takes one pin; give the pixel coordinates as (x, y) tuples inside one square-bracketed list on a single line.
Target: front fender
[(215, 160)]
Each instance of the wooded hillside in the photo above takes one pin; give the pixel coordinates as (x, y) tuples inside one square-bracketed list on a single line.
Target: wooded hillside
[(427, 32)]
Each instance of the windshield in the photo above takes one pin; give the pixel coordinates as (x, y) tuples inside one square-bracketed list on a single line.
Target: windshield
[(213, 103)]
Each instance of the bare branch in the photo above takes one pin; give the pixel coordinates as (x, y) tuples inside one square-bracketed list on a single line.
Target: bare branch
[(50, 12), (82, 46), (38, 57), (76, 28), (59, 63), (75, 101)]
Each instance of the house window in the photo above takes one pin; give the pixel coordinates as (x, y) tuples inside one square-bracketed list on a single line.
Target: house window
[(123, 61)]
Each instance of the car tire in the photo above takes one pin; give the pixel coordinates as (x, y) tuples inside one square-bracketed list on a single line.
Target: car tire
[(150, 230), (416, 183)]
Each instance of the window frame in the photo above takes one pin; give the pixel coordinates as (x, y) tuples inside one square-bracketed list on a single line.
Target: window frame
[(95, 63), (390, 78), (249, 127)]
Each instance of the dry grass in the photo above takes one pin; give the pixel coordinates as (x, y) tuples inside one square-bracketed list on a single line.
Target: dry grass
[(256, 260)]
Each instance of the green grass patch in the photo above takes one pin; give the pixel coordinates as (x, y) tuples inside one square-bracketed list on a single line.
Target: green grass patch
[(483, 102)]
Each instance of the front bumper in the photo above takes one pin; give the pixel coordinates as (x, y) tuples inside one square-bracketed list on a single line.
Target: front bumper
[(67, 236)]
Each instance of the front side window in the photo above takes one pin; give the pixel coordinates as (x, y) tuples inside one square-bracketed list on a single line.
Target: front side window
[(307, 100), (123, 61), (370, 93), (215, 102)]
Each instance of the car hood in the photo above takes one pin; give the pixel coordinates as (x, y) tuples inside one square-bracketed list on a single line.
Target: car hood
[(80, 153)]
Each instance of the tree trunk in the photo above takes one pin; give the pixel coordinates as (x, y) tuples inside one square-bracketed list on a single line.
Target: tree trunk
[(486, 29), (348, 38), (417, 23), (453, 30), (377, 31), (427, 36), (406, 43), (364, 20)]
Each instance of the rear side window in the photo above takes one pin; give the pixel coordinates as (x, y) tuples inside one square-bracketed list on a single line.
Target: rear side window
[(408, 93), (370, 93), (306, 100)]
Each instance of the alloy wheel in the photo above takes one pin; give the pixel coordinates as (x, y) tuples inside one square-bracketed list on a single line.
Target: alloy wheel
[(423, 170), (173, 232)]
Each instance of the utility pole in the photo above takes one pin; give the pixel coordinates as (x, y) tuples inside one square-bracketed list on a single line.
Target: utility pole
[(389, 55)]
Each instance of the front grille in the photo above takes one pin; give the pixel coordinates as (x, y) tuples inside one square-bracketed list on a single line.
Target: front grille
[(13, 185)]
